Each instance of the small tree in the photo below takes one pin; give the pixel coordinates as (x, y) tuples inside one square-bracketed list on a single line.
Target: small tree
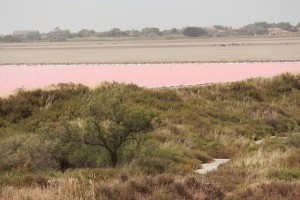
[(86, 33), (109, 122), (58, 34), (150, 31), (285, 26), (194, 31)]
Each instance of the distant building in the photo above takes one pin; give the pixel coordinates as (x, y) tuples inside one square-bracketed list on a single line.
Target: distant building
[(210, 28), (24, 33), (213, 29), (278, 32)]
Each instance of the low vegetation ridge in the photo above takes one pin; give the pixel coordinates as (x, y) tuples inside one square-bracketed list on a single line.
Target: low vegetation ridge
[(255, 29), (124, 141)]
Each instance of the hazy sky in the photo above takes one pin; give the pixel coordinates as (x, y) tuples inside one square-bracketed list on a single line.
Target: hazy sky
[(102, 15)]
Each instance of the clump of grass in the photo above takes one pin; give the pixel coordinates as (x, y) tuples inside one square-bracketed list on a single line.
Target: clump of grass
[(260, 164), (293, 140), (164, 186), (269, 190), (290, 174)]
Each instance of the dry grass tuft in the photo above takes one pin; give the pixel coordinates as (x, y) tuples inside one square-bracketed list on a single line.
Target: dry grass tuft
[(261, 163), (163, 186), (269, 190)]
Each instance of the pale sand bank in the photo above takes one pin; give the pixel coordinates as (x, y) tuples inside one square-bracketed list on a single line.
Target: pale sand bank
[(207, 167)]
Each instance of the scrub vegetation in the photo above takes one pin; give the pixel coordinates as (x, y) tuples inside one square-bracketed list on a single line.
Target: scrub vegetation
[(58, 34), (122, 141)]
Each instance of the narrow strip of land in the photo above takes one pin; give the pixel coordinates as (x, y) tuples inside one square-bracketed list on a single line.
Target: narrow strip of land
[(153, 51)]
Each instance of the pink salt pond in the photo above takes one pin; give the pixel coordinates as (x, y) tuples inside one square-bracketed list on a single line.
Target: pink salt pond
[(146, 75)]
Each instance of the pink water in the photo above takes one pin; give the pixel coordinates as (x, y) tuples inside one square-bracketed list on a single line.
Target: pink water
[(148, 75)]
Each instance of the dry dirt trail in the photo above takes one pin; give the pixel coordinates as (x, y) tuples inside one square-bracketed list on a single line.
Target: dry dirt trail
[(207, 167)]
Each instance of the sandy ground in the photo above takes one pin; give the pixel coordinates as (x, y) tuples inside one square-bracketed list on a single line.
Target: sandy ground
[(261, 140), (152, 51), (207, 167)]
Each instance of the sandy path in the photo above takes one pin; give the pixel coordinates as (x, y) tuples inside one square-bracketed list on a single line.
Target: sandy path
[(207, 167)]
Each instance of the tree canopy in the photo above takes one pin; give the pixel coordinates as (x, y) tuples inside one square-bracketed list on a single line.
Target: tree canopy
[(150, 31), (108, 121), (194, 31)]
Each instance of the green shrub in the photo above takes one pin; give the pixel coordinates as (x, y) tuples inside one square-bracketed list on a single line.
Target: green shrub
[(202, 156), (249, 134), (27, 152), (293, 140), (252, 149), (153, 165), (218, 150), (290, 174), (85, 156)]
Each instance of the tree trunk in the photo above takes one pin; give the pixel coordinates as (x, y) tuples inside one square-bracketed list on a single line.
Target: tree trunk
[(114, 158)]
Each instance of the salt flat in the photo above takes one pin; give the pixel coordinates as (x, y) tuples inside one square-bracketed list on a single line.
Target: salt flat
[(153, 51)]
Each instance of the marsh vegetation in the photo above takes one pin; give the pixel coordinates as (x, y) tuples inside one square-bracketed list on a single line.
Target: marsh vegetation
[(56, 144)]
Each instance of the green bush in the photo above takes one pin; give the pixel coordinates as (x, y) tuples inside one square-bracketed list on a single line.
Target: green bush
[(290, 174), (27, 152), (202, 156), (293, 140), (153, 165)]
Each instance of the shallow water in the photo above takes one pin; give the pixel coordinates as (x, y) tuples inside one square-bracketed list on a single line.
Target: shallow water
[(146, 75)]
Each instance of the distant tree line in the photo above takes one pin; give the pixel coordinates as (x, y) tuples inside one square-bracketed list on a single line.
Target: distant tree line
[(57, 34), (261, 28)]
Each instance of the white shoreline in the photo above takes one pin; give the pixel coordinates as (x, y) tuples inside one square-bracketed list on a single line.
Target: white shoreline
[(144, 64)]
